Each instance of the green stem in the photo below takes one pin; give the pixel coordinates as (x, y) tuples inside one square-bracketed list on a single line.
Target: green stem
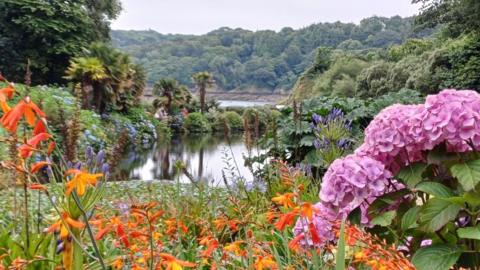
[(89, 230), (77, 263)]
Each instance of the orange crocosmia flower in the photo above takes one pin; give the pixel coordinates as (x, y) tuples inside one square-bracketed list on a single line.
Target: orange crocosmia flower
[(234, 247), (40, 127), (25, 150), (25, 108), (118, 263), (51, 147), (211, 245), (307, 210), (295, 243), (80, 181), (173, 225), (220, 222), (285, 200), (60, 225), (38, 166), (265, 263), (173, 263), (271, 215), (37, 187), (6, 94), (285, 220)]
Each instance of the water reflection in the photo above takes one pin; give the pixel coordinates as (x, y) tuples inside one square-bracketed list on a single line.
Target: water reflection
[(204, 157)]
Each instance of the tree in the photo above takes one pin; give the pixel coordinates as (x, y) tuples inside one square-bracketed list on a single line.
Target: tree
[(117, 88), (49, 33), (203, 80), (459, 16), (86, 71), (166, 88)]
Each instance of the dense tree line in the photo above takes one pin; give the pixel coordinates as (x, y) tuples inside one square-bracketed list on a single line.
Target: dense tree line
[(241, 59), (49, 33), (448, 59)]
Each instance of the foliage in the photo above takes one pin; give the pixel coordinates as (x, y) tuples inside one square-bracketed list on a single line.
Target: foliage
[(230, 120), (49, 33), (203, 80), (431, 206), (196, 123), (458, 16), (241, 59)]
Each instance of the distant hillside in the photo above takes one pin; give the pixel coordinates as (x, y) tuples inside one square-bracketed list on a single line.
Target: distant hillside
[(262, 60)]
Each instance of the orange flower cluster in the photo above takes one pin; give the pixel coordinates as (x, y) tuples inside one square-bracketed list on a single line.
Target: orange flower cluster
[(373, 252)]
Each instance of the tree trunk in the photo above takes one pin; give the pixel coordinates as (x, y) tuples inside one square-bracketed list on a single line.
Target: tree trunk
[(202, 99)]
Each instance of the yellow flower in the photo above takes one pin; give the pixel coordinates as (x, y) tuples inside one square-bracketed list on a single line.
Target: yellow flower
[(80, 181)]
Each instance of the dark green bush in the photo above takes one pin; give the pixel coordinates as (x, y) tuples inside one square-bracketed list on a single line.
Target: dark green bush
[(196, 123)]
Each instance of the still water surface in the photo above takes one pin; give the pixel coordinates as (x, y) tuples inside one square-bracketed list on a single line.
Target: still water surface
[(203, 155)]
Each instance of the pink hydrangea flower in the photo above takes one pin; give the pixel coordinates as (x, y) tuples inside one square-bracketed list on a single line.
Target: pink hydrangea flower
[(399, 135)]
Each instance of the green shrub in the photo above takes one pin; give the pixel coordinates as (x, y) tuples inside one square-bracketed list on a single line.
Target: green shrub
[(234, 120), (196, 123)]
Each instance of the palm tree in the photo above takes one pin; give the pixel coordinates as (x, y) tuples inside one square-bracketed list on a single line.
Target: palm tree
[(203, 80), (87, 71), (166, 88)]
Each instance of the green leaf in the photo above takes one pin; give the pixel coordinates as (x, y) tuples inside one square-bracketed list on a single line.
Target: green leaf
[(410, 217), (384, 219), (472, 198), (340, 256), (385, 201), (436, 257), (468, 173), (307, 140), (436, 213), (469, 232), (412, 175), (435, 189)]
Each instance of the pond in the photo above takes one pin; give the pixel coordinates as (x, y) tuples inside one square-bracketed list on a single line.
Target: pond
[(205, 158), (242, 104)]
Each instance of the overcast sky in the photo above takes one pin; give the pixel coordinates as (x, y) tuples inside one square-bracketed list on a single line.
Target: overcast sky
[(202, 16)]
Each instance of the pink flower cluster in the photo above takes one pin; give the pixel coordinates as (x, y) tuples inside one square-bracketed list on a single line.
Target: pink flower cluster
[(351, 182), (399, 135)]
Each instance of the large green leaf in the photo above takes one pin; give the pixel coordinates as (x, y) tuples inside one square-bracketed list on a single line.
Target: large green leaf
[(385, 201), (412, 175), (469, 232), (307, 140), (384, 219), (436, 213), (436, 257), (468, 173), (435, 189), (410, 218)]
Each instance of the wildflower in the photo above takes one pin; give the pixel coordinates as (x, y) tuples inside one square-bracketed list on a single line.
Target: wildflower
[(5, 94), (25, 150), (61, 225), (285, 200), (118, 263), (210, 243), (80, 181), (286, 219), (307, 210), (40, 127), (266, 262), (38, 166), (173, 225), (115, 225), (25, 108), (173, 263), (235, 248)]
